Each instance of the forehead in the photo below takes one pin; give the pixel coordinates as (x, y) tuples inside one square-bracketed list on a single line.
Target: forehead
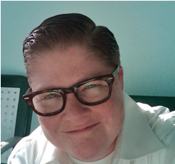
[(65, 67)]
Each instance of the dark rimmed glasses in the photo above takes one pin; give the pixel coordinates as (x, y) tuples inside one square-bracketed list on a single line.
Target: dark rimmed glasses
[(92, 91)]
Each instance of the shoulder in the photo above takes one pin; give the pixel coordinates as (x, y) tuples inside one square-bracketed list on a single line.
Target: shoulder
[(31, 143), (162, 122)]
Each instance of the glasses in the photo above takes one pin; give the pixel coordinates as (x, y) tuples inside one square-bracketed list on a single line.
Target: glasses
[(90, 92)]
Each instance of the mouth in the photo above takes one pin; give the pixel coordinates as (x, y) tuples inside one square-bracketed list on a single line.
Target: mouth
[(83, 129)]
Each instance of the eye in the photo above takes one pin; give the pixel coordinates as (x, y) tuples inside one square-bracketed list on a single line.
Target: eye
[(91, 86), (49, 96)]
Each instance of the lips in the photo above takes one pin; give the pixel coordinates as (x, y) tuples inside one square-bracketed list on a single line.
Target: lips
[(82, 129)]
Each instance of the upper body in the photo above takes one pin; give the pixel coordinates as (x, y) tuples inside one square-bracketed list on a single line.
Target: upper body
[(76, 89), (147, 137)]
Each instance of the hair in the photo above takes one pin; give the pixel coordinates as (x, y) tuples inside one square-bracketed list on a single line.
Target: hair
[(66, 29)]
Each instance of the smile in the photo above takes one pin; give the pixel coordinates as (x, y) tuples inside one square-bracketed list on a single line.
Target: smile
[(84, 129)]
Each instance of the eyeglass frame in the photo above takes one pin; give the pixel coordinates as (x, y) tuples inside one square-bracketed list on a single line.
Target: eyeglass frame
[(74, 89)]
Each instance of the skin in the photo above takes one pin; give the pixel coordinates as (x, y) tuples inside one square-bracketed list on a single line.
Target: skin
[(88, 133)]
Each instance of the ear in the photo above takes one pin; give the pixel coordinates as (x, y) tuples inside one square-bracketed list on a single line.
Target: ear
[(121, 76)]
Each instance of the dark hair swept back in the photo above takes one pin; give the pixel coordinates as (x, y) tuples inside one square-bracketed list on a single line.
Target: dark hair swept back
[(66, 29)]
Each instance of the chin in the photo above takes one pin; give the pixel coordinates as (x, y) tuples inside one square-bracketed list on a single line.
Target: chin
[(91, 153), (87, 157)]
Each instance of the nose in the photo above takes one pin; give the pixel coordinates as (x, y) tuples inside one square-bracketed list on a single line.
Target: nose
[(74, 109)]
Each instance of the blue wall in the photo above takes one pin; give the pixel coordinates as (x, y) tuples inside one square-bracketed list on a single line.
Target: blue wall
[(145, 32)]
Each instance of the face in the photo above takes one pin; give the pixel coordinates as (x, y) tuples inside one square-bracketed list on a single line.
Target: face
[(88, 133)]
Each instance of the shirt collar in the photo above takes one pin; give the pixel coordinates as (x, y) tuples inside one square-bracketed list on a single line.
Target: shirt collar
[(137, 139)]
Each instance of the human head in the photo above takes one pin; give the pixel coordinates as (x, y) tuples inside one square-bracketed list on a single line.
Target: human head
[(61, 59), (66, 29)]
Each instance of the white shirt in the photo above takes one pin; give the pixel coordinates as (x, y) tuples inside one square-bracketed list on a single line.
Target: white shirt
[(147, 137)]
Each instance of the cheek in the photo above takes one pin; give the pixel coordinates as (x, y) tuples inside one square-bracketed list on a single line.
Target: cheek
[(114, 106), (49, 124), (112, 113), (52, 130)]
